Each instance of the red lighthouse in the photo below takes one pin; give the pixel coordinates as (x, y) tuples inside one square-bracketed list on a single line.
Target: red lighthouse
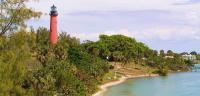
[(53, 25)]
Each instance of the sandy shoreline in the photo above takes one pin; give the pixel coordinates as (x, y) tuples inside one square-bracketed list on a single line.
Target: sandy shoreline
[(104, 87)]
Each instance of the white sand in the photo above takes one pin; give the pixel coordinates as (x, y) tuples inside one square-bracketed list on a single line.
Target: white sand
[(104, 87)]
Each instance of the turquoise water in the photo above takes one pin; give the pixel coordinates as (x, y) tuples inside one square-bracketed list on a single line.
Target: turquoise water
[(176, 84)]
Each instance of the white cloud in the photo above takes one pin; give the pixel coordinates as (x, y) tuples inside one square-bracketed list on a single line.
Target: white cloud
[(193, 17), (175, 33), (95, 35), (160, 33)]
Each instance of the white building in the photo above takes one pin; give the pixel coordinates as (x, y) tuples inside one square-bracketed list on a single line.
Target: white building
[(169, 57), (189, 57)]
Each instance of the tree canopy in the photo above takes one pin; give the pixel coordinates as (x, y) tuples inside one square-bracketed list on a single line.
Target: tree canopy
[(13, 15), (117, 48)]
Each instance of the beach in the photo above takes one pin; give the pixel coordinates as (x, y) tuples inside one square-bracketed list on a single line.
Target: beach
[(103, 88)]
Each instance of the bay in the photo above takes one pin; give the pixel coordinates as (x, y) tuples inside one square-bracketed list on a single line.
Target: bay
[(176, 84)]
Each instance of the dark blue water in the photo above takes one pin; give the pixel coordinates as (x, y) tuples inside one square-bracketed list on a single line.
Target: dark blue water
[(176, 84)]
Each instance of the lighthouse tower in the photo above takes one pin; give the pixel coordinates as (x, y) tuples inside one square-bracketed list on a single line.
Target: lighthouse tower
[(53, 25)]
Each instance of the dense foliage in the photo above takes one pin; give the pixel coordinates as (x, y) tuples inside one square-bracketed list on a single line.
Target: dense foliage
[(117, 48), (31, 66), (124, 49)]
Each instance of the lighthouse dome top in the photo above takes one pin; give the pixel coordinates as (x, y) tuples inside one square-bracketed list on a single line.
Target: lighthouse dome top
[(54, 11)]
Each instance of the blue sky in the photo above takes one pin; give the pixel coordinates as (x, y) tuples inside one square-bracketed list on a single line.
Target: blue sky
[(161, 24)]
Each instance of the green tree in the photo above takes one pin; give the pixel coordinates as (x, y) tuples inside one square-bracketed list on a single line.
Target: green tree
[(14, 56), (170, 53), (42, 45), (13, 15), (193, 53), (162, 53), (57, 78), (117, 56), (91, 68)]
